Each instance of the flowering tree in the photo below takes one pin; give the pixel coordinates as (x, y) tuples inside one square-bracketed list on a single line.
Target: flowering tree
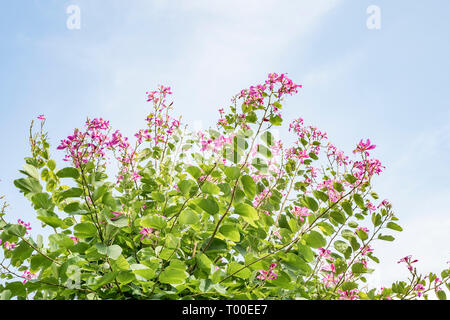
[(228, 213)]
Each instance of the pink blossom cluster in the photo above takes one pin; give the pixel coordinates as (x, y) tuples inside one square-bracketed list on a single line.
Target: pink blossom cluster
[(8, 245), (27, 275), (323, 253), (267, 274), (363, 147), (92, 144), (409, 261), (328, 185), (214, 144), (259, 198), (348, 294), (338, 155), (300, 212), (75, 239), (362, 229), (146, 232), (366, 249), (26, 225)]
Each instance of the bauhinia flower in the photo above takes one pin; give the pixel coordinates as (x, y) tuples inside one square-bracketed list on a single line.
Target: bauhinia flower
[(27, 275), (300, 212), (269, 274), (146, 232)]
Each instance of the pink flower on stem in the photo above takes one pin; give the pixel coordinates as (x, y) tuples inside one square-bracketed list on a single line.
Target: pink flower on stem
[(269, 274), (364, 147), (116, 215), (75, 239), (330, 268), (408, 261), (362, 229), (146, 232), (26, 225), (366, 249), (27, 275), (300, 212), (418, 289), (348, 294), (41, 117), (9, 245), (325, 254)]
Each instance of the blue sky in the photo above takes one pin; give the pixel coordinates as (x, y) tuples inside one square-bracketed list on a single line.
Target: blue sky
[(389, 85)]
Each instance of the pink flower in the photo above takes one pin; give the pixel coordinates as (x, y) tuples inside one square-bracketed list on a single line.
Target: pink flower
[(26, 225), (277, 233), (418, 289), (269, 274), (363, 147), (9, 245), (146, 232), (325, 254), (116, 215), (348, 294), (362, 229), (75, 239), (41, 117), (300, 212), (27, 275), (329, 268), (366, 249)]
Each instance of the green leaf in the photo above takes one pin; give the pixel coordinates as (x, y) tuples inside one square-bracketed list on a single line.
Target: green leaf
[(52, 220), (209, 205), (188, 216), (359, 200), (234, 266), (358, 268), (204, 262), (209, 187), (232, 173), (362, 235), (230, 232), (306, 253), (311, 203), (347, 206), (85, 230), (267, 138), (185, 186), (441, 295), (74, 208), (246, 211), (341, 246), (194, 172), (71, 193), (249, 186), (31, 171), (125, 277), (51, 164), (173, 276), (68, 172), (394, 226), (107, 278), (275, 120), (154, 221), (338, 216), (158, 196), (15, 229), (109, 200), (114, 251), (386, 238), (42, 200), (315, 240), (28, 185)]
